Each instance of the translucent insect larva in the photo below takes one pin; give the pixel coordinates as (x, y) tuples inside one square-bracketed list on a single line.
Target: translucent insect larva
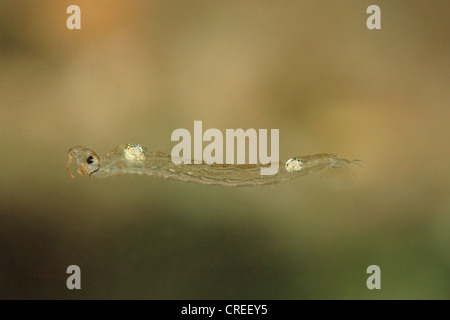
[(136, 159)]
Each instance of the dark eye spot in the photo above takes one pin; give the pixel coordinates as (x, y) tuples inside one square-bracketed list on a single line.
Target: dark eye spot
[(90, 159)]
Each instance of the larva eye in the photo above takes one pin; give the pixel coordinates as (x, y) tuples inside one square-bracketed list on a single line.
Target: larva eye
[(90, 159)]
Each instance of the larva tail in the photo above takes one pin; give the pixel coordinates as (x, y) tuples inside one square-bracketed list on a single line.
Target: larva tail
[(341, 177)]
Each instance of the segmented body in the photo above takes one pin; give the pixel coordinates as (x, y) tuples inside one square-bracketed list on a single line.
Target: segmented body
[(136, 159)]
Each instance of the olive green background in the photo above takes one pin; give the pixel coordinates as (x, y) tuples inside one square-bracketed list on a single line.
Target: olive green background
[(137, 70)]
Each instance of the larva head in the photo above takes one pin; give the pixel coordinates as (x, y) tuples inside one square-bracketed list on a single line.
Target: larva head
[(87, 161)]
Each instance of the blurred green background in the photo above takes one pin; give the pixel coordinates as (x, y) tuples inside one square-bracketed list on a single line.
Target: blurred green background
[(137, 70)]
